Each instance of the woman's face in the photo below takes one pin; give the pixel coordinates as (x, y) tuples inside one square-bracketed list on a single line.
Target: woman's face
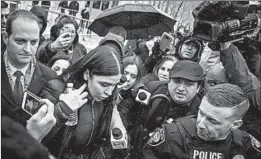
[(101, 87), (70, 29), (60, 65), (163, 72), (131, 73)]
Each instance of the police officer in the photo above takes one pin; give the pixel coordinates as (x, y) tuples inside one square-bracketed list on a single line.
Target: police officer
[(213, 134), (185, 80)]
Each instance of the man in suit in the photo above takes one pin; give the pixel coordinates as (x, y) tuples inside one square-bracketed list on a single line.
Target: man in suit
[(20, 70)]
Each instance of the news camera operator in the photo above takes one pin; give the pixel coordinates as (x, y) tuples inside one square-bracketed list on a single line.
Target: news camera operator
[(187, 48), (231, 21), (236, 69)]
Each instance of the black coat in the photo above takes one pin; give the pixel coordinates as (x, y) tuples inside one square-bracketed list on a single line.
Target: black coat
[(179, 140), (41, 75), (77, 140), (17, 143), (134, 114), (130, 106), (44, 54)]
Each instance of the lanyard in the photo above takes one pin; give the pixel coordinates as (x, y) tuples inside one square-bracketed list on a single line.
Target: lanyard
[(28, 74)]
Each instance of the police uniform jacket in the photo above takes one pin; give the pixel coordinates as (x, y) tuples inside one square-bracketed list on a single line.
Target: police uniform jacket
[(175, 110), (179, 140)]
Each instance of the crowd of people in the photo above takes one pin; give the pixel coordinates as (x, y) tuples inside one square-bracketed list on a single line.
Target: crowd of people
[(114, 103)]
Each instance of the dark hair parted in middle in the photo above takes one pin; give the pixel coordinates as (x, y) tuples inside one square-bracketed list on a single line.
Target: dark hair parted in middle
[(101, 61)]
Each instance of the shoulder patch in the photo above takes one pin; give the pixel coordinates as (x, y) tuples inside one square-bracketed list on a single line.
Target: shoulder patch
[(157, 138), (255, 143)]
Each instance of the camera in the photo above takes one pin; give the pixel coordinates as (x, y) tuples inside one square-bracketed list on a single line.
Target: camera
[(143, 97), (225, 31), (224, 21)]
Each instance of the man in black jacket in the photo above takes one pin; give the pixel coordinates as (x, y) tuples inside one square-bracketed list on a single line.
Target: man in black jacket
[(185, 81), (213, 134), (20, 70)]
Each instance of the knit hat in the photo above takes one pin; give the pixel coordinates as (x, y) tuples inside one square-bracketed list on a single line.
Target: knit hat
[(119, 30), (188, 70)]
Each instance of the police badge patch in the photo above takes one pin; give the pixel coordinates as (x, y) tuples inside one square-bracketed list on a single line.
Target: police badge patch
[(157, 138), (255, 143)]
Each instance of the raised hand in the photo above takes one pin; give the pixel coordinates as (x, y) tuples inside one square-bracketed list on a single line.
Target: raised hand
[(63, 41), (40, 124), (75, 98)]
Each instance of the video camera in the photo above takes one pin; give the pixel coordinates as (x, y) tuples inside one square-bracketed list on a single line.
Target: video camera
[(225, 21)]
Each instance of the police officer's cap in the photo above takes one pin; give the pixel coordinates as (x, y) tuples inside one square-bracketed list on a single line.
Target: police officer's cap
[(188, 70)]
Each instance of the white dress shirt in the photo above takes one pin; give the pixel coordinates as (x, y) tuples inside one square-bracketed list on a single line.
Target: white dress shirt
[(13, 70)]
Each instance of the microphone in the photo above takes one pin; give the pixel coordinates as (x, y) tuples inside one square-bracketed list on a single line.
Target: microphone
[(116, 133), (143, 97), (123, 82), (123, 79), (119, 137)]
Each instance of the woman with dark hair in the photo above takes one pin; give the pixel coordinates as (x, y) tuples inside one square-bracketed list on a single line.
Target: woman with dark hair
[(59, 63), (160, 72), (64, 37), (133, 71), (100, 71)]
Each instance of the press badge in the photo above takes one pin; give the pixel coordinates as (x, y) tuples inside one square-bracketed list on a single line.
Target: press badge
[(203, 154)]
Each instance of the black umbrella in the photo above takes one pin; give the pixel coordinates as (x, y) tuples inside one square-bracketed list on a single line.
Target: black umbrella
[(140, 21)]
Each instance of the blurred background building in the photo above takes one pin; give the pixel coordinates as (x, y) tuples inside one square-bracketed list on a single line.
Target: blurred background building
[(179, 10)]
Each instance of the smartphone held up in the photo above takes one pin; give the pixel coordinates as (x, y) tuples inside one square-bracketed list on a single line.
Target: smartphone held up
[(31, 103), (165, 41)]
